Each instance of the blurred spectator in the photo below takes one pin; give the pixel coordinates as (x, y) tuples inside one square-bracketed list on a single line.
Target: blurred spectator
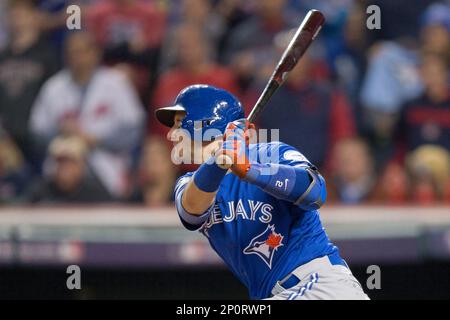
[(429, 168), (352, 178), (393, 185), (198, 13), (399, 18), (24, 66), (95, 103), (250, 45), (202, 13), (423, 121), (392, 78), (156, 174), (339, 14), (232, 13), (53, 17), (68, 179), (13, 171), (334, 10), (435, 31), (3, 25), (193, 65), (351, 59), (131, 32), (135, 24), (426, 119), (392, 71), (311, 115), (390, 81)]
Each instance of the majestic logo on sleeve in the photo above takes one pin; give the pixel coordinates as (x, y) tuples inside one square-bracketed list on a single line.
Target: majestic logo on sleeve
[(294, 155), (265, 244)]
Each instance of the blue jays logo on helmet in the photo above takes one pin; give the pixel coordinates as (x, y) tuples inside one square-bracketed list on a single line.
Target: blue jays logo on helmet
[(206, 107), (265, 245)]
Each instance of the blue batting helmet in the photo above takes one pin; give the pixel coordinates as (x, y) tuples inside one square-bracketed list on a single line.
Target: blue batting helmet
[(206, 107)]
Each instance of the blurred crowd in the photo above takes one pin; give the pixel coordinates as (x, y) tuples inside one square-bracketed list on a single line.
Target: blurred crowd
[(370, 108)]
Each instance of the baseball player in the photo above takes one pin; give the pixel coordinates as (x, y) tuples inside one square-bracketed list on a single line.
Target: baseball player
[(260, 217)]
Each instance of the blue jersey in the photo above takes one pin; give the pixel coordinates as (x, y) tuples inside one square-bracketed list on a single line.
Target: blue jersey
[(259, 237)]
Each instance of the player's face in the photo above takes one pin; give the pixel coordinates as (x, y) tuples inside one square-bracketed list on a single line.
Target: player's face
[(178, 118), (199, 152)]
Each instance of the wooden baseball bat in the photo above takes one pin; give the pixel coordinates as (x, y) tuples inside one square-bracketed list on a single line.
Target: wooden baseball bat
[(301, 41)]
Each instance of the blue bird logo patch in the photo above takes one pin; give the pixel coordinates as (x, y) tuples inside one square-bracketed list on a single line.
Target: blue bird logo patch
[(265, 245)]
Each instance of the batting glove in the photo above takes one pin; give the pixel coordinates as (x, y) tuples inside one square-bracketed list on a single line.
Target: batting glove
[(233, 153)]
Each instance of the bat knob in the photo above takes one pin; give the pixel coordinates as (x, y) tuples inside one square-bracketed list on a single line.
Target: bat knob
[(224, 161)]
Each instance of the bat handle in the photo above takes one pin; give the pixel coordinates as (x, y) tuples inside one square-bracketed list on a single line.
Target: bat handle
[(265, 96)]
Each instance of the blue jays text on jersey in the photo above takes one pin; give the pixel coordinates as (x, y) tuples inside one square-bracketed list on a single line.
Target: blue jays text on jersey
[(259, 237)]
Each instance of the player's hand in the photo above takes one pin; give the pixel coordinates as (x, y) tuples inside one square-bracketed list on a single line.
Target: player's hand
[(233, 153), (238, 128)]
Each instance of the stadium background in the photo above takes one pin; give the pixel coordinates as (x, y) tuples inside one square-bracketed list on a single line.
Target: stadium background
[(85, 171)]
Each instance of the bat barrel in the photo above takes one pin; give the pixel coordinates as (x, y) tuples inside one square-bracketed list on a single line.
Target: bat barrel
[(314, 22)]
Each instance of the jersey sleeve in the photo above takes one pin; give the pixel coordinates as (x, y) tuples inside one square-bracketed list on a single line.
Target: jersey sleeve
[(315, 195), (189, 221), (288, 176), (289, 155)]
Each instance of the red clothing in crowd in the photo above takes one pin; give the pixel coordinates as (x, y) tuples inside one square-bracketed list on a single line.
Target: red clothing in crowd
[(424, 121), (113, 23)]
